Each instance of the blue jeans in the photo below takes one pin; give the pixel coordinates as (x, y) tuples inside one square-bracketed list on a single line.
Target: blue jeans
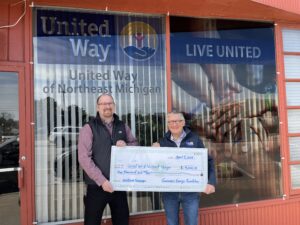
[(189, 202)]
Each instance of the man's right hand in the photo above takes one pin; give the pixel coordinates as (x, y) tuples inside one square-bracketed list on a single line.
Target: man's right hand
[(155, 144), (107, 187)]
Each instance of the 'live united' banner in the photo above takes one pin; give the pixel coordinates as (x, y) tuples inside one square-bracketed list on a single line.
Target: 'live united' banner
[(186, 48)]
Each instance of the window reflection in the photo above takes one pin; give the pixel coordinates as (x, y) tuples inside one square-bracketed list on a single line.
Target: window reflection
[(67, 86), (9, 120), (9, 142), (223, 79)]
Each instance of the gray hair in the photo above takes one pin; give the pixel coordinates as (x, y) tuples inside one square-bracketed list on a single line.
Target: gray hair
[(105, 94), (180, 114)]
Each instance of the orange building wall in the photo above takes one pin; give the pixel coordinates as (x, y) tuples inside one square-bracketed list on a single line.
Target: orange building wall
[(12, 40), (280, 212)]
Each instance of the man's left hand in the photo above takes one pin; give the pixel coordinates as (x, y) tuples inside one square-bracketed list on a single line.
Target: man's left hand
[(121, 143), (209, 189)]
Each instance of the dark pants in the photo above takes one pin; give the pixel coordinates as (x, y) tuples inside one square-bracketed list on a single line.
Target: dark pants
[(95, 201)]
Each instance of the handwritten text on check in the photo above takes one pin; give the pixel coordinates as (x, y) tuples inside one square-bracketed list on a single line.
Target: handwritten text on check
[(136, 168)]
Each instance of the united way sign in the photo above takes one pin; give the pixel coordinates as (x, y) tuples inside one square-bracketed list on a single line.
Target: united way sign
[(95, 38), (158, 169)]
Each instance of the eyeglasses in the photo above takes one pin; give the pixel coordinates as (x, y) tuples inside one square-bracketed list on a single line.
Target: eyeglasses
[(106, 103), (172, 122)]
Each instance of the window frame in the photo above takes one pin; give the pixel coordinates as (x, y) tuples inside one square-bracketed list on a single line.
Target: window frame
[(289, 191)]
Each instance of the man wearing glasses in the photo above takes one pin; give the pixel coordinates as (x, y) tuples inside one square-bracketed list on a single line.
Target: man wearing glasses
[(94, 153), (181, 137)]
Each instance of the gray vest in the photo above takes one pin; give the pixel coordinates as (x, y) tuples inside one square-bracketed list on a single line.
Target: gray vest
[(102, 142)]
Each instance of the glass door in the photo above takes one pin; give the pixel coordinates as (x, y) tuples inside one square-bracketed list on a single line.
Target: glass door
[(9, 149)]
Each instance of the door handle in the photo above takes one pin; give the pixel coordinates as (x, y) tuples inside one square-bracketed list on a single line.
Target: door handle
[(20, 174), (11, 169), (20, 177)]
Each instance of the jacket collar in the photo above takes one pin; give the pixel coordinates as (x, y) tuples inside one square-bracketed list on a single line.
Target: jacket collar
[(185, 128), (115, 118)]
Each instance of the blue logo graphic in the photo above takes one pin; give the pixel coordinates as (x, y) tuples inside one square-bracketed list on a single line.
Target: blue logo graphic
[(139, 40), (189, 143)]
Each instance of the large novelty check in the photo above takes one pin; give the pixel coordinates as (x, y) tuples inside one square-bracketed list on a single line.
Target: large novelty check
[(136, 168)]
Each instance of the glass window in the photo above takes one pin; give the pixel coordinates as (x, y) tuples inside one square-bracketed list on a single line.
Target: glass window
[(294, 143), (291, 39), (223, 79), (79, 55), (9, 101), (292, 66), (9, 148), (292, 93), (295, 176), (293, 120)]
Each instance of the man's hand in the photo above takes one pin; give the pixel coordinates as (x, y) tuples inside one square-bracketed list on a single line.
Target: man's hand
[(121, 143), (209, 189), (155, 144), (107, 187)]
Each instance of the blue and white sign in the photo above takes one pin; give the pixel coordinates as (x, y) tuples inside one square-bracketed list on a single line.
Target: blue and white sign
[(187, 48), (136, 168), (64, 37)]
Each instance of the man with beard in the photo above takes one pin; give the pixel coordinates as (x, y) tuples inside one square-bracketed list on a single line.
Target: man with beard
[(94, 153)]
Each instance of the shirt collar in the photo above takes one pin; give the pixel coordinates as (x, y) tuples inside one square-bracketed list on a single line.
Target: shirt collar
[(183, 134), (108, 124)]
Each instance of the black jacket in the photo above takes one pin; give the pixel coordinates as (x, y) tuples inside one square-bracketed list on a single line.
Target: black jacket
[(102, 142)]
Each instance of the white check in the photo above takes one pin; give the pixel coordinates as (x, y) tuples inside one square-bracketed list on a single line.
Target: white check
[(136, 168)]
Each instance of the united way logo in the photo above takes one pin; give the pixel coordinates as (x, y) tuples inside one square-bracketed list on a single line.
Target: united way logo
[(139, 40)]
